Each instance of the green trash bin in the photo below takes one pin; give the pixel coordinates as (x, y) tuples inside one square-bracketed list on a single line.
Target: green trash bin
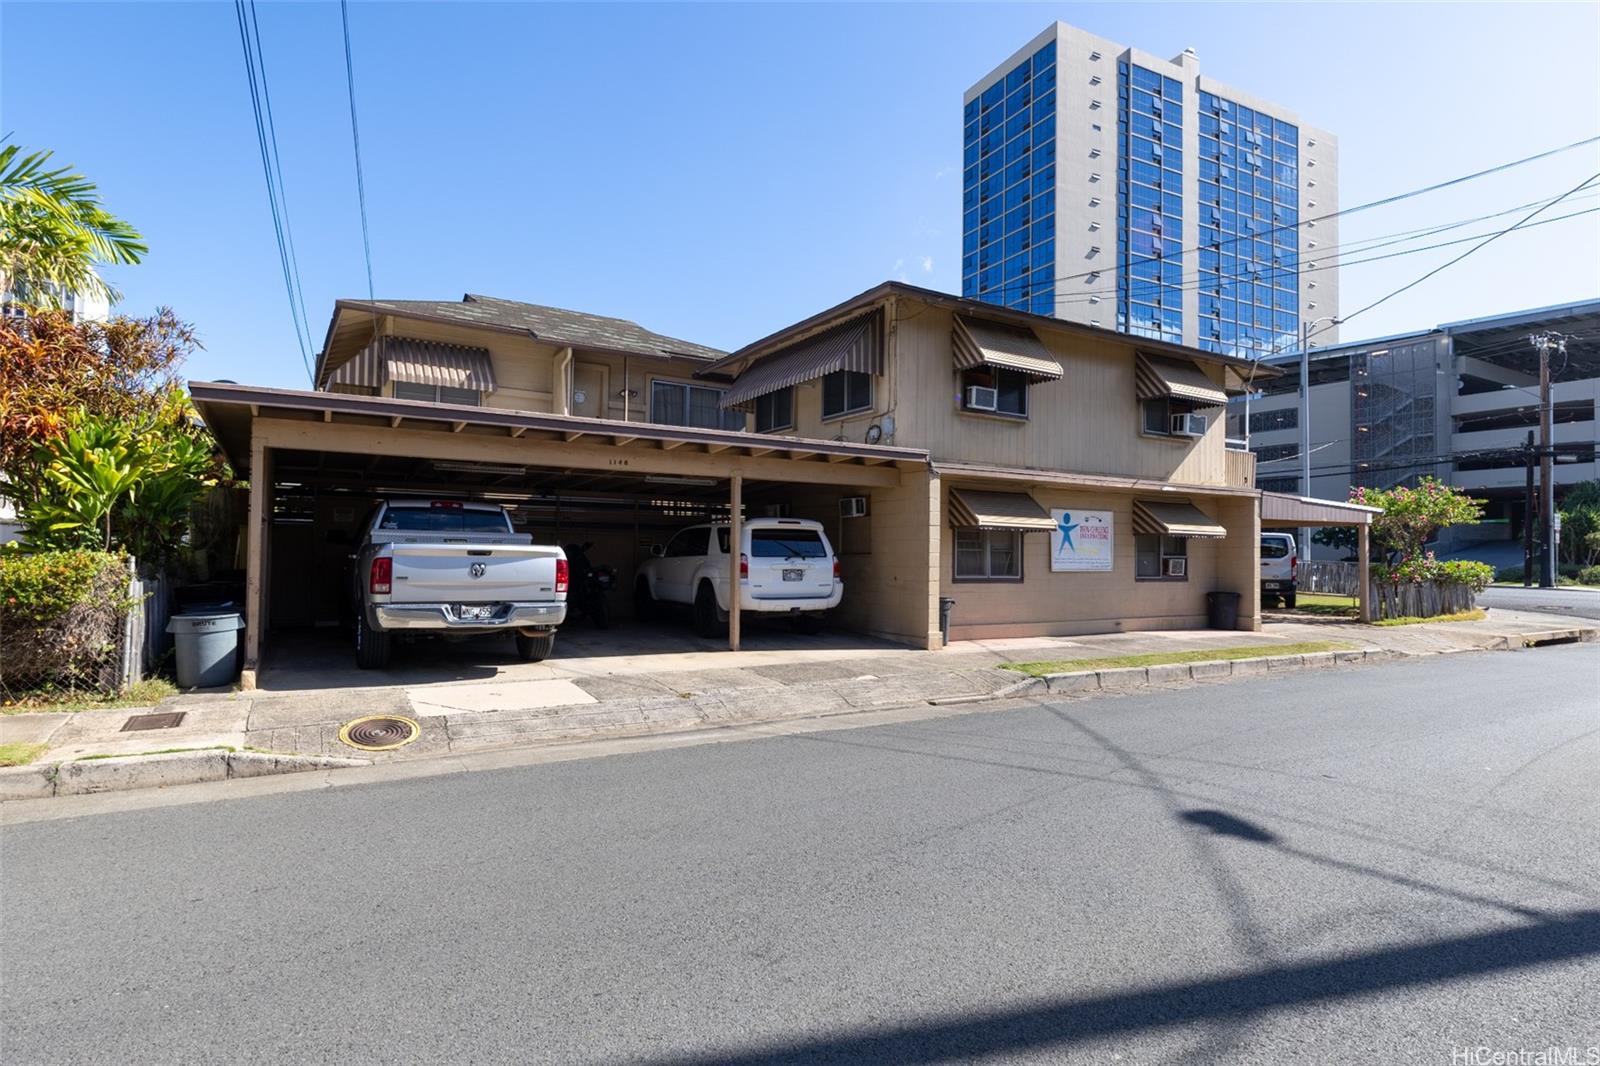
[(207, 647)]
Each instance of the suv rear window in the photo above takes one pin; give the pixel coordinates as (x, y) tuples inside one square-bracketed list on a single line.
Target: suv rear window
[(443, 520), (1274, 549), (787, 544)]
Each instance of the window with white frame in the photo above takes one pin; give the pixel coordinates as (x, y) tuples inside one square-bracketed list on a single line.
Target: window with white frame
[(1010, 390), (408, 390), (988, 555), (1151, 555)]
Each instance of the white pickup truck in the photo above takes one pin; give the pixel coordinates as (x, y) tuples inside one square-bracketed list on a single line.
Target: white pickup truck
[(786, 567), (444, 566)]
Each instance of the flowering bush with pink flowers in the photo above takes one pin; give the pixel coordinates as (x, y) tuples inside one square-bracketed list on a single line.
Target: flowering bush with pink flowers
[(1413, 516)]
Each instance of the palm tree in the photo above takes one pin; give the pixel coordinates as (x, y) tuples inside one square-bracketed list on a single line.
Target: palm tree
[(53, 232)]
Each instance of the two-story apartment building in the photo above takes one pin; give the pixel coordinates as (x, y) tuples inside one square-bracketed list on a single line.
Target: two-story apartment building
[(1036, 475)]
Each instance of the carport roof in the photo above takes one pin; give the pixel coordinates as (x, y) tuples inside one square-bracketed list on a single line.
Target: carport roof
[(230, 409), (1281, 510)]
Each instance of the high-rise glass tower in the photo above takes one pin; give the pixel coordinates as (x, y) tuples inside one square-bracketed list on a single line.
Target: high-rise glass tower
[(1107, 186)]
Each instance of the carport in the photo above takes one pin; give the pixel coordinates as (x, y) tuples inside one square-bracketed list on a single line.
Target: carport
[(1283, 511), (315, 459)]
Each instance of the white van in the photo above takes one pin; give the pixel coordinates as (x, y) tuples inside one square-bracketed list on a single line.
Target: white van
[(1280, 568), (786, 566)]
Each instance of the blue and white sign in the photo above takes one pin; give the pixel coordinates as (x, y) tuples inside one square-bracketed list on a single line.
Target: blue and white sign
[(1081, 540)]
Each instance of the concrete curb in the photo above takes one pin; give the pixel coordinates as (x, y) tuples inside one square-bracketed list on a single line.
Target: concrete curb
[(79, 777), (1125, 678)]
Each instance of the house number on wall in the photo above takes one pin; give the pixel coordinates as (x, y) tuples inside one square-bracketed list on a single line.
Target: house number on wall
[(617, 462)]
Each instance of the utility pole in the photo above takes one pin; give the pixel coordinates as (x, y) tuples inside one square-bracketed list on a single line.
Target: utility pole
[(1530, 508), (1547, 489)]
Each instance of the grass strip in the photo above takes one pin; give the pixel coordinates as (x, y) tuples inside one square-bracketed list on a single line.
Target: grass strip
[(20, 754), (163, 751), (145, 693), (1163, 658), (1475, 615)]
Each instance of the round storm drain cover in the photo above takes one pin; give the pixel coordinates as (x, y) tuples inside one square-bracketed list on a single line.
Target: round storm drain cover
[(379, 732)]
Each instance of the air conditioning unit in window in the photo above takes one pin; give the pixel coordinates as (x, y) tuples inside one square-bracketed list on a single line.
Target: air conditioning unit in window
[(982, 398), (852, 507), (1175, 567), (1189, 425)]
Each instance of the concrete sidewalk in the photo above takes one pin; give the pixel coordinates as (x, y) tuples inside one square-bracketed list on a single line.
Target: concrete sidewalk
[(582, 698)]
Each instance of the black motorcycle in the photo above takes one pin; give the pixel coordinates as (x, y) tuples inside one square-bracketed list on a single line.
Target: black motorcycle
[(588, 587)]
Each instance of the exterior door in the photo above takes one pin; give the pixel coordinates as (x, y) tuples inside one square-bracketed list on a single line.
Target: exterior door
[(590, 383)]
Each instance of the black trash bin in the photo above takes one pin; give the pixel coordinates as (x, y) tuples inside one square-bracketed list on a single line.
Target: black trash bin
[(946, 605), (1222, 610)]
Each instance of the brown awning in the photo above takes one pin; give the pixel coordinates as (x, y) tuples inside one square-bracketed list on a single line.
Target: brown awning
[(853, 345), (1174, 518), (979, 343), (975, 509), (418, 362), (1158, 376)]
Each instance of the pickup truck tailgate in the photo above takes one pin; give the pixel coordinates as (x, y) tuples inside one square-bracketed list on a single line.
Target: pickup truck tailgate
[(474, 573)]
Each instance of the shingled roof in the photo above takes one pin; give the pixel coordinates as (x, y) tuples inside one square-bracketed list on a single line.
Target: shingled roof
[(550, 325)]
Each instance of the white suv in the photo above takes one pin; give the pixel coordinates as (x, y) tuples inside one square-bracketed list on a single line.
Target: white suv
[(786, 566)]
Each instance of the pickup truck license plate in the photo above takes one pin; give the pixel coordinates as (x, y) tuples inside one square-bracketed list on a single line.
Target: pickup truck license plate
[(794, 575), (473, 612)]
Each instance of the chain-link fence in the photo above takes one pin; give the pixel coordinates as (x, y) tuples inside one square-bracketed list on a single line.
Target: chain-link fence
[(94, 648)]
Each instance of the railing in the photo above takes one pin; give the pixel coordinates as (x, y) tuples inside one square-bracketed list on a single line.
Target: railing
[(1239, 468)]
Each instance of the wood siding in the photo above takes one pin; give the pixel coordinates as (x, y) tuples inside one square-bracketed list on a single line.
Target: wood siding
[(1086, 422)]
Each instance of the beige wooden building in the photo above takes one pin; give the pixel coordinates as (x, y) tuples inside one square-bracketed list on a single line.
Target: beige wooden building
[(1047, 477)]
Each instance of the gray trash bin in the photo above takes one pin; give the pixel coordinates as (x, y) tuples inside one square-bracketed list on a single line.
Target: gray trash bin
[(208, 647)]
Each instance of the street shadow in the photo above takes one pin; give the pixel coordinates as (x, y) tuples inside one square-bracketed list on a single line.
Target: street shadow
[(1056, 1024), (1227, 825)]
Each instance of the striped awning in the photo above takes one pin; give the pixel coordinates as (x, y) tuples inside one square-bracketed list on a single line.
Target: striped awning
[(855, 345), (1180, 379), (418, 362), (1174, 518), (975, 509), (979, 343)]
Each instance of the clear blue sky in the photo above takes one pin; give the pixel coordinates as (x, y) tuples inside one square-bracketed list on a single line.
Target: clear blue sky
[(718, 171)]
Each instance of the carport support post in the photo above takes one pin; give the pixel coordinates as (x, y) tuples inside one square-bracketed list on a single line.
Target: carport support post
[(257, 527), (735, 542), (1363, 573)]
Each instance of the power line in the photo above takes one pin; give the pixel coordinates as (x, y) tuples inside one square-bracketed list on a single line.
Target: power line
[(272, 175), (1524, 220), (355, 139)]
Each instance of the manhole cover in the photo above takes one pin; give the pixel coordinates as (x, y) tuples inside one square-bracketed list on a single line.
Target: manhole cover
[(167, 720), (379, 732)]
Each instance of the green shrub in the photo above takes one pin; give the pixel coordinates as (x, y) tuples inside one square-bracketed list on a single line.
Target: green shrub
[(1589, 575), (1508, 573), (1467, 572), (37, 588)]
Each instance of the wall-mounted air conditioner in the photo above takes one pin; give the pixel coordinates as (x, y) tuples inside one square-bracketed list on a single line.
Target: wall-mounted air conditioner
[(982, 398), (1176, 567), (852, 506), (1189, 425)]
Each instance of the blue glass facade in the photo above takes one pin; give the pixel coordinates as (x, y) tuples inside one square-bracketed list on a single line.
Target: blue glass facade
[(1149, 203), (1249, 277), (1008, 188)]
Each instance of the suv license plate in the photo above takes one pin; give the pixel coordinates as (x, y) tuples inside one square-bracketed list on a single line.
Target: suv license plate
[(794, 575), (475, 612)]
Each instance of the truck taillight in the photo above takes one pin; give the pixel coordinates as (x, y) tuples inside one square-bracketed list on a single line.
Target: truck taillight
[(561, 575), (744, 566), (837, 573), (382, 575), (1294, 566)]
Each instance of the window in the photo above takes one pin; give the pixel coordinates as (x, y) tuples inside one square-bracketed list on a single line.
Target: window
[(439, 519), (988, 555), (844, 391), (675, 403), (406, 390), (787, 544), (1010, 387), (775, 411), (1151, 552), (691, 543), (1157, 416)]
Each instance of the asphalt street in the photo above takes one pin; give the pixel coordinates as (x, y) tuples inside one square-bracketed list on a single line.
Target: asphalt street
[(1572, 602), (1383, 864)]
